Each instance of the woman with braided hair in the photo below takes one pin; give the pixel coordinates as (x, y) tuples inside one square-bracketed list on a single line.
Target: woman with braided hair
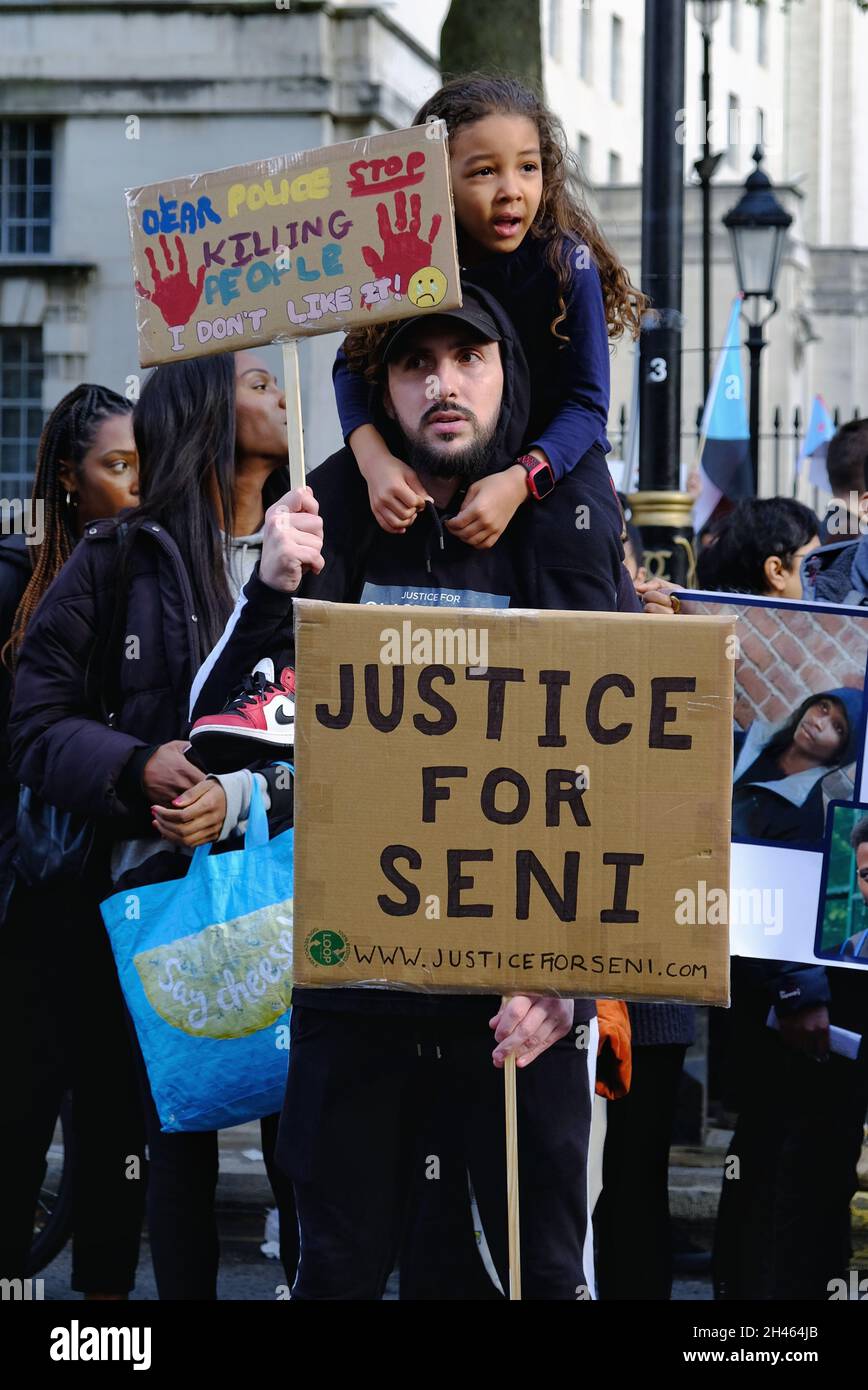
[(86, 468), (65, 1017)]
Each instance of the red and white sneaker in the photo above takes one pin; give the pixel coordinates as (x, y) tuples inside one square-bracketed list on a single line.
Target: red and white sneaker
[(263, 712)]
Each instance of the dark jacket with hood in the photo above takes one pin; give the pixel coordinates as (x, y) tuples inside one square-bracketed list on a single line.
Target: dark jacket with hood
[(837, 573), (542, 559), (766, 804), (538, 562)]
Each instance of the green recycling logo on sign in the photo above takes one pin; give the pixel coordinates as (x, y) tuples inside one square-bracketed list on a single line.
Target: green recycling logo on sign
[(326, 947)]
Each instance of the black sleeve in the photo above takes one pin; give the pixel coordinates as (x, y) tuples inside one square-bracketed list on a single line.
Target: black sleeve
[(61, 746), (129, 783), (260, 626)]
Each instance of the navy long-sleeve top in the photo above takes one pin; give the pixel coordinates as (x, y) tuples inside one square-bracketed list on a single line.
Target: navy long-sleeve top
[(569, 380)]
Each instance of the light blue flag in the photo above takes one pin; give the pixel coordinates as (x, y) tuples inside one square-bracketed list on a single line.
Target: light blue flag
[(724, 463), (821, 431)]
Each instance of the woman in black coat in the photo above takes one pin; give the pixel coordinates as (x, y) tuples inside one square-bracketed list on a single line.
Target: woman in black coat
[(100, 717), (54, 954)]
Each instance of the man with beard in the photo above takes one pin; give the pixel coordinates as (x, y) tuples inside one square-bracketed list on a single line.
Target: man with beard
[(452, 400), (366, 1064)]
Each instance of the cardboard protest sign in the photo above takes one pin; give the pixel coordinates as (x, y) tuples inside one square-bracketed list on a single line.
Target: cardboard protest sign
[(513, 802), (295, 245), (800, 788)]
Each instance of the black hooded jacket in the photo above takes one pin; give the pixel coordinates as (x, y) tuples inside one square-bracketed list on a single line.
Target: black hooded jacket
[(542, 560)]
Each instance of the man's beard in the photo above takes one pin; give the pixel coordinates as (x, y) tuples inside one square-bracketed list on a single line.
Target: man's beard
[(466, 465)]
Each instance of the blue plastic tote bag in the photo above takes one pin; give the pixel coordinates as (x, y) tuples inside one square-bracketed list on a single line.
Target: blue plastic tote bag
[(205, 966)]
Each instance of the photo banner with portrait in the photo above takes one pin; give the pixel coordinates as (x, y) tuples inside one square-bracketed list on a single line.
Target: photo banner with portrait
[(325, 240), (508, 801), (800, 787)]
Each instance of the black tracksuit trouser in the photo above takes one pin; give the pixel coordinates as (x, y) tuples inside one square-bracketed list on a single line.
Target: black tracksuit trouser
[(66, 1030), (783, 1224), (182, 1217), (357, 1093)]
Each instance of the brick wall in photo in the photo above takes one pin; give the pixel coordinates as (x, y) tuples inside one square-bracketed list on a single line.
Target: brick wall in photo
[(787, 655)]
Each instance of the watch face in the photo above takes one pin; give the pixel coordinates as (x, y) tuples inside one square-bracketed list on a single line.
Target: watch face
[(541, 480)]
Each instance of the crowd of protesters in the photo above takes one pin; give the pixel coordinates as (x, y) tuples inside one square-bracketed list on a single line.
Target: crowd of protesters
[(175, 522)]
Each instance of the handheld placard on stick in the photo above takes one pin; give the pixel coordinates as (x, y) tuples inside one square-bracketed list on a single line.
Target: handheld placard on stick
[(294, 426), (512, 1178)]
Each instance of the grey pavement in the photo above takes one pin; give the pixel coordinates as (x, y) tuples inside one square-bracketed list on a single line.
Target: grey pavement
[(244, 1198)]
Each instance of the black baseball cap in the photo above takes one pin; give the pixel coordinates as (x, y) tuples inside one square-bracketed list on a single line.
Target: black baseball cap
[(472, 312)]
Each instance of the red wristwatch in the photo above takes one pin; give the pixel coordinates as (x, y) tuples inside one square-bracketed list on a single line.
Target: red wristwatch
[(540, 478)]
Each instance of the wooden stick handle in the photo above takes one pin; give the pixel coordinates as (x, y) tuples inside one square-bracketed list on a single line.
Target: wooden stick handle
[(294, 426), (512, 1178)]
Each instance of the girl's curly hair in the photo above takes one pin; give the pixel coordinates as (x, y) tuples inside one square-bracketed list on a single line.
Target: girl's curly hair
[(563, 220)]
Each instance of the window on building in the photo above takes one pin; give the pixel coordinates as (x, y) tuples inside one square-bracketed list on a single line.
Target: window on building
[(735, 24), (586, 38), (25, 186), (584, 151), (762, 36), (733, 128), (554, 8), (617, 59), (615, 167), (21, 414)]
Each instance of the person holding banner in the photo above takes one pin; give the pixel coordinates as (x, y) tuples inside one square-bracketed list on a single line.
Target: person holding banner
[(758, 548), (124, 627), (358, 1057), (525, 237)]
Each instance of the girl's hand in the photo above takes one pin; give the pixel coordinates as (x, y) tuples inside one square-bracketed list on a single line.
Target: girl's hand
[(659, 597), (396, 494), (195, 817), (489, 506)]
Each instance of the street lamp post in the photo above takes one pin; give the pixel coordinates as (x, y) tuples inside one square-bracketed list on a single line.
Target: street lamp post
[(757, 227), (707, 13), (755, 344), (660, 509)]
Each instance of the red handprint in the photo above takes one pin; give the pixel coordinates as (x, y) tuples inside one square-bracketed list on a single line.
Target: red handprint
[(404, 251), (175, 295)]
